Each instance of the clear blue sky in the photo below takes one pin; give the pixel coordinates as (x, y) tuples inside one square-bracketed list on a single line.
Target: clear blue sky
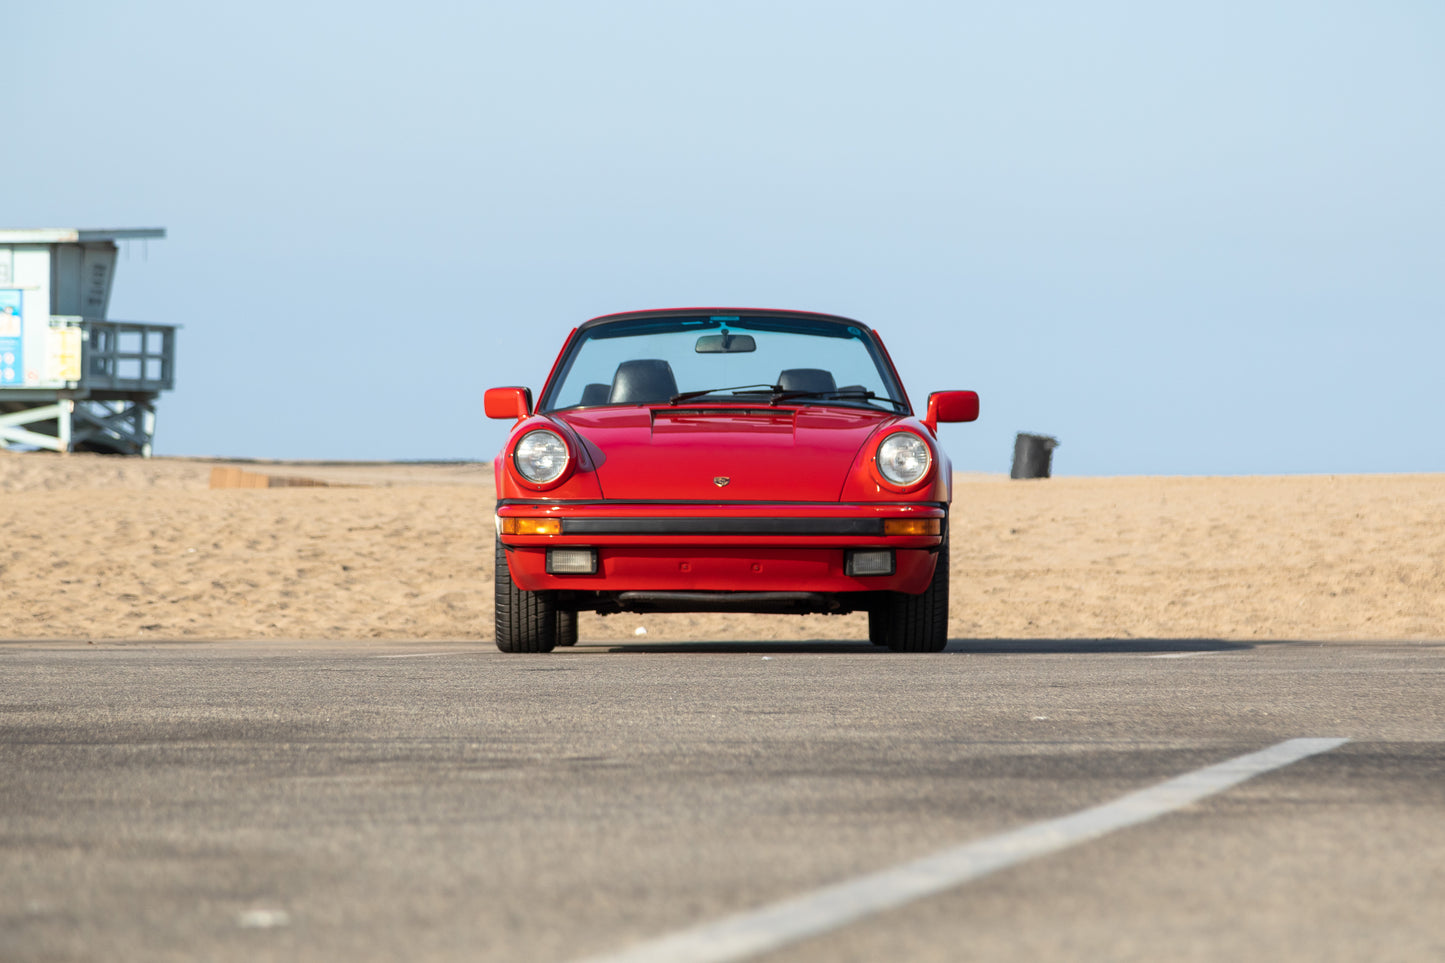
[(1186, 238)]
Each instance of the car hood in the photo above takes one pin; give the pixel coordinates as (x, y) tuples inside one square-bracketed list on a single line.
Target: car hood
[(727, 454)]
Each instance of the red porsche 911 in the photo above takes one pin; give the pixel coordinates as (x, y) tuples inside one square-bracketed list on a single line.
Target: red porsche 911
[(723, 460)]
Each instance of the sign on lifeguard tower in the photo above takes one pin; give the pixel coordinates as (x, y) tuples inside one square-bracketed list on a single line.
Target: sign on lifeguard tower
[(71, 379)]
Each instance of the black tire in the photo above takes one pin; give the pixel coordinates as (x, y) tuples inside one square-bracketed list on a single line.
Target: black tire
[(566, 627), (526, 621), (918, 623), (877, 618)]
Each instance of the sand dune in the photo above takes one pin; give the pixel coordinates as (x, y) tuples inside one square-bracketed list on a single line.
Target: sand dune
[(97, 548)]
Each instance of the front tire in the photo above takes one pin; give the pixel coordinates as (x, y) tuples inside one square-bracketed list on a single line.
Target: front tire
[(566, 627), (916, 623), (526, 621)]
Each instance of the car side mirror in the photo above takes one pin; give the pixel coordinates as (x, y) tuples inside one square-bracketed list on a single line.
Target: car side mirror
[(951, 406), (512, 403)]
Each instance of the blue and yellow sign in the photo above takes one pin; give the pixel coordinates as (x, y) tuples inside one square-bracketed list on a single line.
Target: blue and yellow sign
[(12, 355)]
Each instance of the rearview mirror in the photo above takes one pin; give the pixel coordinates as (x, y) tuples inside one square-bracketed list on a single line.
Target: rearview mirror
[(951, 406), (513, 403), (726, 343)]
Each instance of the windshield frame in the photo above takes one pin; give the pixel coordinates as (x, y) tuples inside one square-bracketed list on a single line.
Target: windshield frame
[(705, 320)]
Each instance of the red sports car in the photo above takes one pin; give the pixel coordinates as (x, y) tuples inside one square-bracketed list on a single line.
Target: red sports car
[(723, 460)]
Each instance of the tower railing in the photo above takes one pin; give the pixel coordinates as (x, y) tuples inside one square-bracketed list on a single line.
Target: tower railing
[(128, 356)]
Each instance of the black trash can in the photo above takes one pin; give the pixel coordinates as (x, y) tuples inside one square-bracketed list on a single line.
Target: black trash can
[(1033, 456)]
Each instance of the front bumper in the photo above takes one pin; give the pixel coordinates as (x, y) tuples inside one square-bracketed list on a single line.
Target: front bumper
[(776, 547)]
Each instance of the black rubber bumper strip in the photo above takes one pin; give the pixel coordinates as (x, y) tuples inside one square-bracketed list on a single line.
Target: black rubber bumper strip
[(723, 526)]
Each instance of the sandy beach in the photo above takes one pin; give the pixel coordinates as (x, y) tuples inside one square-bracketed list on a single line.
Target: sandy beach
[(99, 548)]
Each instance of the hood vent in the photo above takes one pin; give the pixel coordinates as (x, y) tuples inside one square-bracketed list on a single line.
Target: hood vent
[(735, 412)]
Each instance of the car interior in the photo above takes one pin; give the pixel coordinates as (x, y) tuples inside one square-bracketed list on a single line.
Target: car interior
[(651, 380)]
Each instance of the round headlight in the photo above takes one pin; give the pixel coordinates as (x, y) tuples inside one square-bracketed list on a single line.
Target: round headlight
[(903, 458), (540, 456)]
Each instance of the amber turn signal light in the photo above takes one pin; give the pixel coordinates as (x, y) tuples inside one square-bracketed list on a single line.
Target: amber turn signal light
[(531, 526), (912, 526)]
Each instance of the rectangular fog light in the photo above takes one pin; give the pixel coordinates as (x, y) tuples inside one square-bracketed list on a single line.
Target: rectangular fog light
[(868, 562), (571, 561)]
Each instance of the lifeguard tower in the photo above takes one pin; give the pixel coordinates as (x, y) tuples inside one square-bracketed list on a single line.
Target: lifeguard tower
[(70, 378)]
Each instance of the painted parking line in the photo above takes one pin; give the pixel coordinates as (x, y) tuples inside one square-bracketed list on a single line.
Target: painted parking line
[(770, 927)]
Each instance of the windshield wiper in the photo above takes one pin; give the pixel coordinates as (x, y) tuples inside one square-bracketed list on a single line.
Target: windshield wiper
[(850, 394), (736, 389)]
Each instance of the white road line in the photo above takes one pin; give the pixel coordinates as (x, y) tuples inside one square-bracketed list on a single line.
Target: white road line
[(415, 655), (1178, 655), (770, 927)]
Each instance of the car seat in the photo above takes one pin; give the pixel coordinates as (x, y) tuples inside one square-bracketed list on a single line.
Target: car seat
[(645, 381), (806, 379), (595, 394)]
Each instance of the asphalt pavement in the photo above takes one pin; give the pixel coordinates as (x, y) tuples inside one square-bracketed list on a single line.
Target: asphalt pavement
[(420, 801)]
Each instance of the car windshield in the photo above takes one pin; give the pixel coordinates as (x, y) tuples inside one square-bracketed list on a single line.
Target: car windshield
[(712, 358)]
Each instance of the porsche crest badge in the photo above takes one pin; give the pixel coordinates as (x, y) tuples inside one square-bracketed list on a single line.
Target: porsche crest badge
[(721, 480)]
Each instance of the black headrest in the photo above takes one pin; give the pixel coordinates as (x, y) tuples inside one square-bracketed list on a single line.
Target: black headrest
[(642, 382), (806, 379), (595, 394)]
